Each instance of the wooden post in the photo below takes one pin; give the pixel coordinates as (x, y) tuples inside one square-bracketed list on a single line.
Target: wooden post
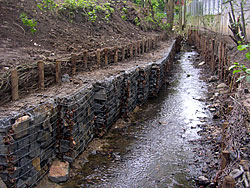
[(206, 49), (106, 52), (135, 48), (228, 182), (224, 159), (150, 43), (143, 46), (223, 131), (189, 36), (73, 62), (116, 55), (139, 47), (131, 50), (220, 58), (227, 71), (85, 59), (98, 57), (224, 62), (123, 53), (212, 56), (154, 43), (203, 46), (146, 46), (14, 85), (58, 73), (40, 72)]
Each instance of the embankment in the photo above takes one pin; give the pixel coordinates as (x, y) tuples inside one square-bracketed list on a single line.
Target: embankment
[(35, 134)]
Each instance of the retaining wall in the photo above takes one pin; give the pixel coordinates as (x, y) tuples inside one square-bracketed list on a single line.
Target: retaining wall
[(31, 139)]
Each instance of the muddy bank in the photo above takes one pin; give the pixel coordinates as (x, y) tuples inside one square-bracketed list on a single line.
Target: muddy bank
[(226, 141)]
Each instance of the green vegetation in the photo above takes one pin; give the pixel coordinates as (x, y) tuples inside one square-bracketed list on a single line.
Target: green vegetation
[(124, 13), (47, 5), (239, 68), (137, 21), (90, 8), (31, 23)]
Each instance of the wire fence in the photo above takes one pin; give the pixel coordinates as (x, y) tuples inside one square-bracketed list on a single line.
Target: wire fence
[(204, 7)]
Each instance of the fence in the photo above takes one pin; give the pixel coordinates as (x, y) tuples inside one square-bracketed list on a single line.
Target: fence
[(213, 14), (43, 74)]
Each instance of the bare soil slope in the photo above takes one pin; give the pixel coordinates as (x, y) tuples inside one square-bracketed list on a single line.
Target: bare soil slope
[(59, 34)]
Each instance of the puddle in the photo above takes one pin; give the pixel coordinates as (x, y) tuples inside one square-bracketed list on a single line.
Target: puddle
[(154, 151)]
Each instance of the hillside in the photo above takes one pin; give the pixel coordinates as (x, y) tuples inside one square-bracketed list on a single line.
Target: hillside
[(47, 30), (60, 31)]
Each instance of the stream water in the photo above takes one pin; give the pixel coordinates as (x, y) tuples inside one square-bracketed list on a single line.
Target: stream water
[(154, 151)]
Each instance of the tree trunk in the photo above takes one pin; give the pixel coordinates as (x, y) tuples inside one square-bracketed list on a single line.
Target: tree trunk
[(180, 13), (170, 13), (185, 10)]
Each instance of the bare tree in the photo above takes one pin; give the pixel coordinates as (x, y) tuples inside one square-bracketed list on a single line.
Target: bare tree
[(170, 12)]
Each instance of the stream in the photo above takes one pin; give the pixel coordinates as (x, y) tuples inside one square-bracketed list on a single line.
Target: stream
[(154, 150)]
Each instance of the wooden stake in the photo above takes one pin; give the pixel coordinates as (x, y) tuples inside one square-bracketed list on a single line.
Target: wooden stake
[(150, 43), (85, 59), (40, 72), (58, 73), (220, 58), (143, 46), (228, 182), (139, 47), (227, 73), (224, 159), (212, 56), (98, 57), (106, 52), (131, 50), (73, 62), (205, 49), (116, 55), (146, 46), (135, 48), (14, 85), (225, 67), (123, 53), (224, 127)]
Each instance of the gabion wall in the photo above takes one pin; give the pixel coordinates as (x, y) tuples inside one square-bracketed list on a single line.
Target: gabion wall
[(76, 123), (29, 141), (27, 145), (107, 101), (143, 84), (129, 90)]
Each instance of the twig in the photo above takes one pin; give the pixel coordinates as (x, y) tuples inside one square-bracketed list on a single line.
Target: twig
[(236, 100), (20, 27)]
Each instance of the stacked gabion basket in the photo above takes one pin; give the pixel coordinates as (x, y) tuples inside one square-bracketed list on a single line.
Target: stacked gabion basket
[(27, 145), (107, 100), (76, 123)]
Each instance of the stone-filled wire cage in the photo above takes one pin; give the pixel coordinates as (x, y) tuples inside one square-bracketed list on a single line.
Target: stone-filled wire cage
[(143, 84), (157, 78), (129, 91), (108, 100), (27, 145), (76, 123)]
